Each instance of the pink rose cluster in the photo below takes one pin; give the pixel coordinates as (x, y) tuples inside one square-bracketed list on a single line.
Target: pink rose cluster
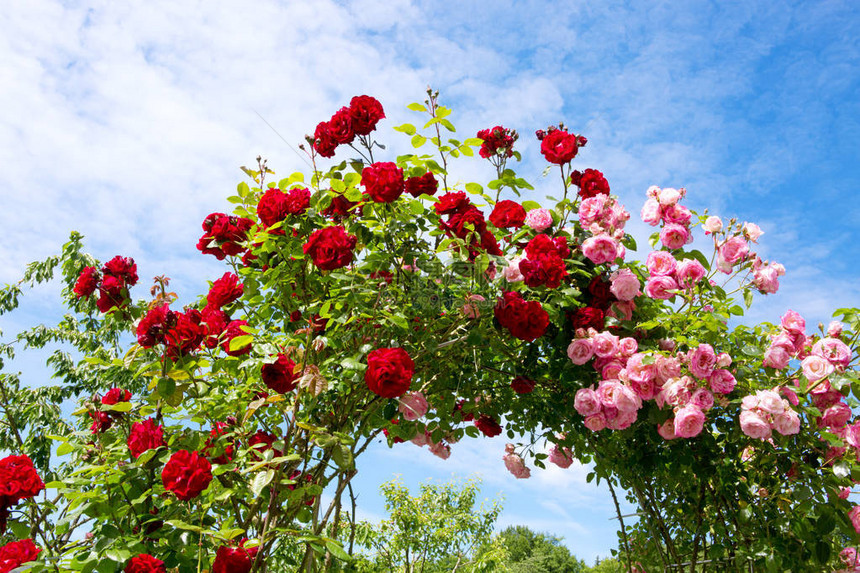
[(850, 558), (515, 464), (439, 449), (663, 206), (766, 275), (668, 275), (413, 405), (791, 342), (768, 410), (605, 218)]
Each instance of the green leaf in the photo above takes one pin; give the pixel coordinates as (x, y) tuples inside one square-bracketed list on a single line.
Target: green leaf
[(240, 342), (529, 205), (336, 550), (64, 449), (474, 188), (416, 208), (448, 125), (748, 297), (418, 140), (179, 524), (416, 107), (406, 128), (261, 480), (354, 194)]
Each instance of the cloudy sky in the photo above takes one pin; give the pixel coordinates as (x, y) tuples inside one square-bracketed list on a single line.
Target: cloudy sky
[(128, 123)]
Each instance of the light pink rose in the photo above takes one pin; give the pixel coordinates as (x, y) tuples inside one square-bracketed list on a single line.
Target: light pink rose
[(854, 516), (689, 272), (787, 422), (776, 357), (622, 310), (611, 369), (600, 249), (833, 350), (793, 322), (667, 367), (593, 210), (580, 351), (586, 402), (712, 225), (605, 344), (689, 421), (674, 236), (616, 395), (596, 422), (661, 263), (770, 401), (834, 329), (651, 212), (539, 219), (622, 421), (734, 250), (512, 272), (677, 214), (815, 368), (668, 196), (471, 309), (562, 457), (667, 429), (752, 232), (852, 435), (836, 415), (515, 463), (440, 450), (676, 392), (661, 287), (639, 372), (703, 399), (413, 405), (754, 426), (723, 360), (625, 285), (702, 361), (721, 381), (627, 346)]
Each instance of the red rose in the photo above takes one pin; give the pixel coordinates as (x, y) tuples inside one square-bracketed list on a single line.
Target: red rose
[(523, 385), (452, 202), (524, 320), (116, 395), (559, 146), (330, 248), (16, 553), (324, 142), (214, 322), (272, 207), (383, 181), (262, 441), (423, 185), (154, 325), (123, 268), (340, 126), (588, 317), (545, 270), (234, 329), (601, 295), (507, 214), (488, 426), (87, 282), (389, 372), (111, 294), (212, 446), (18, 480), (185, 335), (146, 435), (234, 559), (186, 474), (225, 290), (366, 111), (497, 141), (591, 183), (340, 208), (544, 245), (280, 376), (101, 422), (298, 200), (464, 223), (222, 235), (144, 563)]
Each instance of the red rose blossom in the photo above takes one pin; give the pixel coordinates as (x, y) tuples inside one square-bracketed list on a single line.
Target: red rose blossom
[(488, 425), (324, 142), (559, 146), (16, 553), (234, 329), (225, 290), (213, 321), (330, 248), (508, 214), (340, 126), (18, 480), (101, 422), (497, 141), (298, 200), (588, 317), (262, 441), (280, 375), (452, 202), (145, 563), (591, 183), (424, 185), (186, 474), (222, 235), (87, 282), (154, 326), (272, 207), (523, 385), (234, 559), (185, 335), (524, 320), (123, 268), (146, 435), (383, 181), (116, 395), (389, 372), (366, 111)]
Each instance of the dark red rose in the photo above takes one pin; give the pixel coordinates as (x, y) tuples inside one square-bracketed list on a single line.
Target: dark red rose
[(340, 208), (524, 320), (491, 245), (508, 214), (272, 207), (234, 329), (588, 317), (225, 290), (234, 559), (463, 223), (16, 553), (389, 372), (559, 146), (280, 375), (601, 295), (296, 476), (186, 474), (544, 270), (116, 395), (101, 422), (111, 294), (366, 111), (330, 248), (222, 235), (452, 202), (144, 563), (123, 268), (213, 321), (146, 435), (262, 441), (545, 245), (340, 126), (154, 325), (488, 425), (591, 183), (423, 185), (497, 141), (18, 480), (87, 282), (185, 335), (324, 142), (523, 385), (298, 200), (383, 181)]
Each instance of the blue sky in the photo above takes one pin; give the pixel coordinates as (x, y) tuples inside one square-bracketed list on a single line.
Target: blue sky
[(128, 123)]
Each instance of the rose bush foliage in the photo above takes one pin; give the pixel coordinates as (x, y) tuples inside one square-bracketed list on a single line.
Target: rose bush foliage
[(388, 300)]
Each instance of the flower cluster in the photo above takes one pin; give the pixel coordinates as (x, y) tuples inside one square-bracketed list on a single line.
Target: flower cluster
[(276, 205), (767, 410), (18, 480), (224, 235), (146, 435), (360, 118), (498, 141), (663, 206), (145, 563), (16, 553), (558, 146), (515, 464), (591, 183), (466, 222), (668, 275), (116, 277), (526, 320)]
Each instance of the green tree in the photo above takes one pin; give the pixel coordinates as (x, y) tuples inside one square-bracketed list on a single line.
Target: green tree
[(532, 552)]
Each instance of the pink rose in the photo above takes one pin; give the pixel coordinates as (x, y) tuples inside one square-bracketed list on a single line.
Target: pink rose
[(616, 395), (752, 232), (852, 435), (703, 399), (628, 346), (674, 236), (604, 344), (625, 285), (592, 210), (667, 367), (622, 420), (580, 351), (600, 249), (562, 457), (815, 368), (661, 287), (721, 381), (661, 263), (836, 416), (515, 463), (512, 272), (792, 322), (440, 450), (712, 225), (676, 391), (651, 212), (854, 516), (776, 357), (677, 214), (539, 219), (833, 350), (689, 421), (754, 426), (770, 401), (689, 272), (834, 329), (723, 360), (639, 372), (586, 402), (734, 250), (766, 279), (667, 429), (702, 361), (787, 422), (668, 196), (413, 405), (596, 422)]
